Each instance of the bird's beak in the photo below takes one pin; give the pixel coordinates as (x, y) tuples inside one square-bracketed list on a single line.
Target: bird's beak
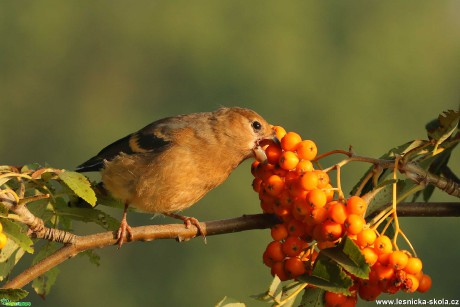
[(259, 152)]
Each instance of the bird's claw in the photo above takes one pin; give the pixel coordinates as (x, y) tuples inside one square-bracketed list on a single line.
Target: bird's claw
[(188, 221), (122, 231)]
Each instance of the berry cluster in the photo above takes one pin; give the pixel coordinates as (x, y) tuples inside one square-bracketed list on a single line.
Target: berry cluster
[(3, 238), (314, 219)]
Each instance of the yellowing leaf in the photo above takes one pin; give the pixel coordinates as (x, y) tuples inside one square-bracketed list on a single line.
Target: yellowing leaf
[(80, 185)]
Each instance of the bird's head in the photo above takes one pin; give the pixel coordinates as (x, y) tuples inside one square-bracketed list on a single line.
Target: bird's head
[(248, 129)]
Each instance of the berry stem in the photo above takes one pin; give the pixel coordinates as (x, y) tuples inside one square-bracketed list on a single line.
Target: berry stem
[(332, 152), (408, 243)]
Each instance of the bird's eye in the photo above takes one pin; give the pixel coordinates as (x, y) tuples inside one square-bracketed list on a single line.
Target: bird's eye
[(256, 125)]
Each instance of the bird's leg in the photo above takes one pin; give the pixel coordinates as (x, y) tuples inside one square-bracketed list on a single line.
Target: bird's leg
[(189, 221), (124, 227)]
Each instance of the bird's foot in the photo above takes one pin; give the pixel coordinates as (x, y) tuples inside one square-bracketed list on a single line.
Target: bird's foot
[(188, 221), (122, 231)]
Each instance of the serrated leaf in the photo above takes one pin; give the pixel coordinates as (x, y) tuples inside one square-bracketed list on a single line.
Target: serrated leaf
[(10, 255), (93, 257), (289, 293), (14, 232), (442, 128), (42, 284), (230, 302), (313, 297), (390, 155), (328, 275), (12, 295), (4, 180), (86, 215), (80, 185), (30, 167), (378, 199), (269, 295), (348, 255)]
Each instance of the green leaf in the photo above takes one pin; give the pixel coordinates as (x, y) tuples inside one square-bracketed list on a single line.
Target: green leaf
[(86, 215), (348, 255), (10, 255), (442, 128), (378, 198), (289, 293), (80, 185), (269, 295), (390, 155), (313, 297), (14, 232), (229, 302), (93, 257), (30, 167), (42, 284), (328, 275), (12, 295)]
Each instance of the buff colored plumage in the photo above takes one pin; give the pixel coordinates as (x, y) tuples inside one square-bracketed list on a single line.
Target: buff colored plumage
[(172, 163)]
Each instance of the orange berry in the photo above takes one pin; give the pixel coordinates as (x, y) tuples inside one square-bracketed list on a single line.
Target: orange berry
[(273, 153), (279, 232), (356, 205), (279, 131), (290, 141), (383, 258), (267, 206), (294, 267), (370, 255), (323, 179), (288, 160), (329, 192), (285, 199), (304, 166), (3, 239), (274, 251), (414, 266), (369, 292), (295, 228), (331, 231), (334, 299), (264, 171), (382, 245), (350, 302), (354, 224), (337, 212), (398, 260), (316, 198), (309, 181), (292, 246), (307, 150), (383, 272), (424, 283), (274, 185), (301, 207), (317, 215), (254, 167), (278, 270), (366, 238), (256, 183), (411, 283), (283, 213), (267, 260), (325, 244)]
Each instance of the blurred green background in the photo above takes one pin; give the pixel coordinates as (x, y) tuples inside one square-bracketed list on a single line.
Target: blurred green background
[(77, 75)]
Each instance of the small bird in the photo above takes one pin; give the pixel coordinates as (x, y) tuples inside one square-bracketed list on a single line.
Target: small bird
[(173, 162)]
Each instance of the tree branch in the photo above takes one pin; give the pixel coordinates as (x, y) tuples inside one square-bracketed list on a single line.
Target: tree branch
[(180, 233)]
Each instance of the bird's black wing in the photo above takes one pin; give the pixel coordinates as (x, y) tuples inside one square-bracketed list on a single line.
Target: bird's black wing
[(151, 138)]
